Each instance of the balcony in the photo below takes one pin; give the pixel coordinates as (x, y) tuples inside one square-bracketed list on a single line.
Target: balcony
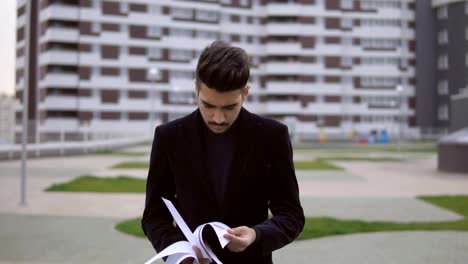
[(61, 35), (59, 57), (60, 12), (60, 79)]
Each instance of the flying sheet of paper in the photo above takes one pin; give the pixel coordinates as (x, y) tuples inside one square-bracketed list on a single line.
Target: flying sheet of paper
[(180, 222), (177, 249)]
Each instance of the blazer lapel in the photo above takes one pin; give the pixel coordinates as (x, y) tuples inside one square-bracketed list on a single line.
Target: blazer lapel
[(196, 154), (245, 136)]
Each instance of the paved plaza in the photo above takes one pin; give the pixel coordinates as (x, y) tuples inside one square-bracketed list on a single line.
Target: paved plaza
[(79, 227)]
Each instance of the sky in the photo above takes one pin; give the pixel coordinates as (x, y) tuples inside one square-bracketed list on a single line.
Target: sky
[(7, 45)]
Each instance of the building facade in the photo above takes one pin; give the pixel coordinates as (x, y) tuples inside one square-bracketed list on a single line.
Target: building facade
[(442, 52), (123, 67), (8, 105)]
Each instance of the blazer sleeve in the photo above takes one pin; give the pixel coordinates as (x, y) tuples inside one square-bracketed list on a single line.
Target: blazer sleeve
[(288, 216), (157, 222)]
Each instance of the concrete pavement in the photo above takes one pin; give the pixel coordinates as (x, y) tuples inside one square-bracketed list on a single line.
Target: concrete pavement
[(79, 227)]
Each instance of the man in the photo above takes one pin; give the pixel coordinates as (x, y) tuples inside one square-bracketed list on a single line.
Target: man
[(222, 163)]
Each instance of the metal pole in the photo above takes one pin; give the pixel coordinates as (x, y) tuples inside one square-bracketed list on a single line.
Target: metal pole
[(24, 151)]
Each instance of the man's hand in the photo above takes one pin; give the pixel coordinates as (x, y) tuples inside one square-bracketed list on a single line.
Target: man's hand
[(240, 238), (200, 258)]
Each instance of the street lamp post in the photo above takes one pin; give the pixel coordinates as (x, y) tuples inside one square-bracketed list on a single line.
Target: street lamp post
[(153, 75), (399, 90)]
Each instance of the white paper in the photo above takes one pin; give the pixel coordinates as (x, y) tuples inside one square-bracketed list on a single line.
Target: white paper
[(183, 249)]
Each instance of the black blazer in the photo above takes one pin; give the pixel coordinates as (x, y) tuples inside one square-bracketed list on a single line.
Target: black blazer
[(262, 177)]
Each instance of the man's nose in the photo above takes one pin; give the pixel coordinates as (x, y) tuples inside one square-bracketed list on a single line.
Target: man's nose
[(218, 117)]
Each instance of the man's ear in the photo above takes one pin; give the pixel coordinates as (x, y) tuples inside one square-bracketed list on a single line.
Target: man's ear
[(196, 87), (245, 91)]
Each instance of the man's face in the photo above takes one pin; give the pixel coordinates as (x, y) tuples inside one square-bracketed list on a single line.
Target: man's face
[(220, 109)]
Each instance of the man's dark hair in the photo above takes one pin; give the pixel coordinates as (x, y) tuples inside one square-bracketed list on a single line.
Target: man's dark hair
[(223, 67)]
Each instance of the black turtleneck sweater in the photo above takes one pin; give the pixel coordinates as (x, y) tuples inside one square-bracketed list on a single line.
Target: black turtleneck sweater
[(219, 152)]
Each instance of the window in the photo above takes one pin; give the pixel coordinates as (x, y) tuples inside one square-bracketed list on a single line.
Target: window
[(442, 12), (154, 9), (442, 112), (442, 62), (442, 87), (95, 27), (180, 55), (178, 32), (155, 53), (124, 7), (346, 22), (154, 31), (182, 13), (442, 37), (206, 15), (346, 61), (347, 4)]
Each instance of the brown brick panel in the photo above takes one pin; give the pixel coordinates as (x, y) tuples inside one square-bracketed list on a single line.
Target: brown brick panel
[(332, 79), (85, 73), (378, 49), (111, 8), (307, 78), (332, 121), (19, 52), (84, 92), (357, 99), (20, 34), (20, 11), (332, 23), (332, 62), (82, 47), (332, 4), (356, 60), (307, 2), (110, 27), (137, 75), (166, 10), (137, 51), (307, 42), (307, 118), (307, 20), (110, 115), (356, 119), (109, 52), (109, 96), (137, 94), (85, 116), (332, 99), (110, 71), (235, 18), (85, 28), (137, 116), (332, 40), (138, 8), (306, 99), (308, 59), (86, 3), (138, 32)]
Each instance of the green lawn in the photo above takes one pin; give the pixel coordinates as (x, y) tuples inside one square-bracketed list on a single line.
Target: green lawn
[(315, 165), (121, 153), (300, 165), (87, 183), (373, 159), (317, 227), (131, 165)]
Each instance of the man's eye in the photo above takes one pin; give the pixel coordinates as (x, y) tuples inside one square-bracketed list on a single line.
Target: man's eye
[(230, 108)]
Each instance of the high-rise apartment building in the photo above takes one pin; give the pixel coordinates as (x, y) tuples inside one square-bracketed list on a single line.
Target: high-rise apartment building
[(8, 106), (125, 66), (442, 52)]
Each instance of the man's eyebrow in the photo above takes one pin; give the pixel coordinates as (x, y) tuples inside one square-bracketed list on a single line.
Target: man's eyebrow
[(226, 106)]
